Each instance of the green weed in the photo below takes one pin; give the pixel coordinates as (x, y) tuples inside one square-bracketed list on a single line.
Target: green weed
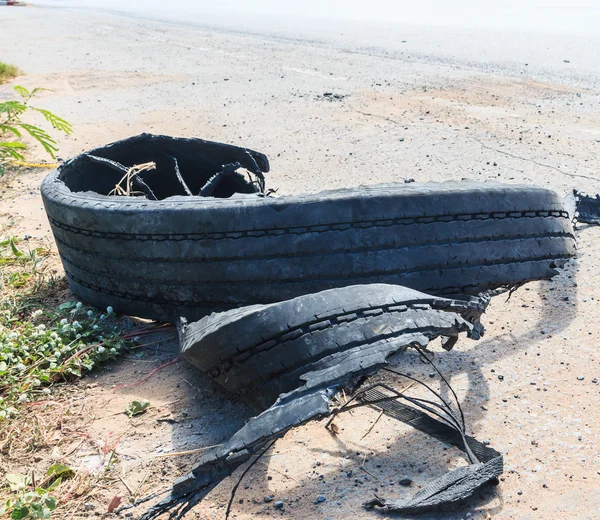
[(42, 345), (13, 128), (8, 72)]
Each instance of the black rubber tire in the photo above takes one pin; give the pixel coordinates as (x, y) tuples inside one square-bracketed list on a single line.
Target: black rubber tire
[(189, 256), (262, 351)]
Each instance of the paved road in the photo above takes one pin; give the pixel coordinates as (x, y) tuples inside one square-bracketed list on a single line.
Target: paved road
[(555, 41)]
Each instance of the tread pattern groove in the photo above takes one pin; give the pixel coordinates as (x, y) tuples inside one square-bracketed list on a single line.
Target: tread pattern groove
[(305, 279), (321, 253), (320, 228)]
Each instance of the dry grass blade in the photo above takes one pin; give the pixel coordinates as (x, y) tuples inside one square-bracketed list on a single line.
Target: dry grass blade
[(187, 452), (371, 474), (372, 425), (129, 178)]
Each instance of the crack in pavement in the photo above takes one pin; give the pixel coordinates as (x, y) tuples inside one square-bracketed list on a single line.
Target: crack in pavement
[(535, 162)]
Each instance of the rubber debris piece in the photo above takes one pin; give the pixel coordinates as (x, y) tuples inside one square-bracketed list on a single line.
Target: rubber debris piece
[(289, 360), (451, 487), (587, 208)]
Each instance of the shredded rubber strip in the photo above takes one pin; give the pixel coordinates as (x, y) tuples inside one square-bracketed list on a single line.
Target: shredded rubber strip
[(451, 487), (290, 359)]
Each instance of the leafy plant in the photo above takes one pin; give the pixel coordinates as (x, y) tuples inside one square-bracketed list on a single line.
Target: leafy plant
[(43, 346), (45, 341), (13, 128), (33, 504), (34, 354), (19, 267), (33, 501)]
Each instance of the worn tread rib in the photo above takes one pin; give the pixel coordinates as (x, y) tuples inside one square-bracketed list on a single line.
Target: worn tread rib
[(263, 352), (117, 281), (94, 256), (277, 231)]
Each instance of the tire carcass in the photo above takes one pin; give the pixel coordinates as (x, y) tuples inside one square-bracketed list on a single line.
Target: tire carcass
[(183, 255)]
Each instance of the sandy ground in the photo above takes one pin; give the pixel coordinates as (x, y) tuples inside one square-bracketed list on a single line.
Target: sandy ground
[(412, 117)]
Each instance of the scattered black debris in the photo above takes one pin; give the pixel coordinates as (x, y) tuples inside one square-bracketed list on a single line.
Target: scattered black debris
[(330, 96), (587, 208)]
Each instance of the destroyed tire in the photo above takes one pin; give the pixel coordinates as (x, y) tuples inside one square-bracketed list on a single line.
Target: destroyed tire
[(189, 256), (261, 351), (290, 359)]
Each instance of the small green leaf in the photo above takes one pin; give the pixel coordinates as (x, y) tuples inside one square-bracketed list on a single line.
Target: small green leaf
[(50, 503), (19, 513), (12, 108), (11, 129), (14, 249), (54, 485), (14, 144), (66, 306), (22, 91), (59, 470), (74, 371), (38, 509), (40, 89), (42, 137), (7, 152), (137, 407), (57, 122)]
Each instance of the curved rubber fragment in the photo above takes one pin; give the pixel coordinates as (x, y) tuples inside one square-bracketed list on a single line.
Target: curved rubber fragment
[(189, 256), (305, 393), (263, 351), (587, 208), (451, 487)]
